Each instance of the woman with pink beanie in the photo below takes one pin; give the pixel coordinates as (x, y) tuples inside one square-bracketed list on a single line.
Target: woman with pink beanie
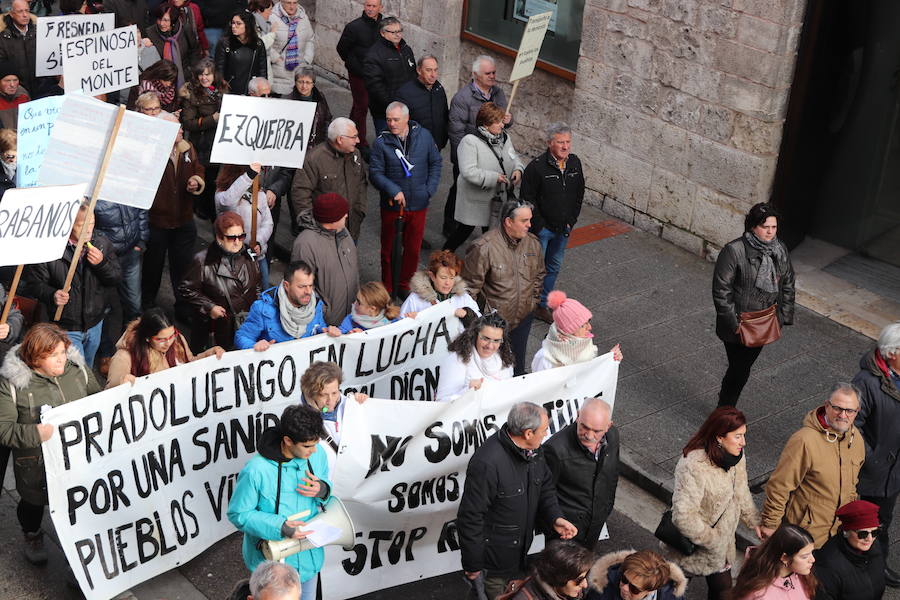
[(569, 340)]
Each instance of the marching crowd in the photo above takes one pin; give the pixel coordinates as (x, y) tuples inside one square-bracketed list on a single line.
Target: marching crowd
[(829, 501)]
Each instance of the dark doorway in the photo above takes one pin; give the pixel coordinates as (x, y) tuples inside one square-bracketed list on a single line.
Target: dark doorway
[(838, 177)]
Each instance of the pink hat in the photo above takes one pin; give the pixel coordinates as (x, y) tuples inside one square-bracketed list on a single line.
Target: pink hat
[(568, 314)]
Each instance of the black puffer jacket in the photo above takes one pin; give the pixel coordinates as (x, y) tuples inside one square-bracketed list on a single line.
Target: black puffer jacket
[(197, 110), (356, 39), (20, 49), (239, 63), (734, 288), (427, 107), (879, 413), (124, 226), (505, 493), (845, 574), (386, 68), (87, 298), (556, 195), (586, 488)]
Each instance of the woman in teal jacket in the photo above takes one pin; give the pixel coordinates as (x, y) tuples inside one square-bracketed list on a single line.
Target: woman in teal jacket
[(288, 477)]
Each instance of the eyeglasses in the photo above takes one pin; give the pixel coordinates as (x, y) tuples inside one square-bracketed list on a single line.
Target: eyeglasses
[(635, 590), (840, 409), (863, 534), (394, 31), (163, 340), (235, 238), (352, 137), (578, 580), (489, 73), (9, 157), (490, 341), (152, 110)]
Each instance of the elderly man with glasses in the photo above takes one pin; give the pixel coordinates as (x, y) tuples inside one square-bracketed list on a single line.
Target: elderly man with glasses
[(818, 468), (388, 64)]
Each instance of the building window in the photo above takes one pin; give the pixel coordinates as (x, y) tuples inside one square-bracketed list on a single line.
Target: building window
[(498, 25)]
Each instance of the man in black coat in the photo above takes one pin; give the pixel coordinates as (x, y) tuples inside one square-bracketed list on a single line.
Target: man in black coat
[(388, 64), (356, 39), (427, 100), (508, 488), (85, 302), (584, 460), (554, 183), (878, 420), (18, 44)]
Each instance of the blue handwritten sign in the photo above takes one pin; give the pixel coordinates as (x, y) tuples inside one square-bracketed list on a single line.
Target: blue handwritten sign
[(36, 121)]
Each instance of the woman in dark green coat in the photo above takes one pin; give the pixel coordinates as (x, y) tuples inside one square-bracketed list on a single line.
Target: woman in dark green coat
[(44, 370)]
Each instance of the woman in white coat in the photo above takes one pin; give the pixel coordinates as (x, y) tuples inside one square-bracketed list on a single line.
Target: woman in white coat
[(295, 44), (440, 281), (480, 353), (488, 164)]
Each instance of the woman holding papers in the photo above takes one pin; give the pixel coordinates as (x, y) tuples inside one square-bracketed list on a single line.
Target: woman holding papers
[(480, 353)]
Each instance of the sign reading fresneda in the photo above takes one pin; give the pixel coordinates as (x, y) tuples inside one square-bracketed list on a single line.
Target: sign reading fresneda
[(35, 222), (101, 62), (52, 32), (270, 131)]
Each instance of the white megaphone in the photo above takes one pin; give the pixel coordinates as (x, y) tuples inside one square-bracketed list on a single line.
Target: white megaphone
[(333, 513)]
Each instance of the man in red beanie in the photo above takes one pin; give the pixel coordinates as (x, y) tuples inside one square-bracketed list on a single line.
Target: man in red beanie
[(850, 565), (326, 245)]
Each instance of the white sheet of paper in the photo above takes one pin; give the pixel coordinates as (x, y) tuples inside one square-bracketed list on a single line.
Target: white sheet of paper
[(322, 533)]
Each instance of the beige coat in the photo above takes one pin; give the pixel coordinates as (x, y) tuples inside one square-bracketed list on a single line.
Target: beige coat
[(816, 474), (703, 492)]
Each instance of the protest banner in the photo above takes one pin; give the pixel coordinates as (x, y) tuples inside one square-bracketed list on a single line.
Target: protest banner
[(139, 476), (270, 131), (36, 119), (78, 142), (529, 50), (102, 62), (401, 472), (53, 31)]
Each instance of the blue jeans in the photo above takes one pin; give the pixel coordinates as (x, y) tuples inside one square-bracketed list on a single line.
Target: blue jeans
[(130, 284), (264, 272), (308, 587), (518, 339), (553, 246), (87, 342)]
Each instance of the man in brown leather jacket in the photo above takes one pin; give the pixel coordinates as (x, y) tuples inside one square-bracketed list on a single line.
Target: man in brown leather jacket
[(505, 270)]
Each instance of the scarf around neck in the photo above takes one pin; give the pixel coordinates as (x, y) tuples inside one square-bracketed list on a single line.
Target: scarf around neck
[(491, 367), (366, 321), (767, 276), (172, 51), (494, 140), (291, 49), (729, 460), (562, 349), (294, 319), (166, 94)]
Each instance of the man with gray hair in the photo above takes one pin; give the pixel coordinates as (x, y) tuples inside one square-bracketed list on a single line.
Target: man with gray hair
[(405, 168), (818, 468), (878, 420), (463, 111), (554, 183), (259, 87), (505, 271), (427, 100), (270, 580), (388, 64), (508, 490), (584, 460), (335, 166)]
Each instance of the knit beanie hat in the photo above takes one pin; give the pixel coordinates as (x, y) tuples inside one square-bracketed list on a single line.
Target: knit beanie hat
[(8, 68), (568, 314), (329, 208), (858, 514)]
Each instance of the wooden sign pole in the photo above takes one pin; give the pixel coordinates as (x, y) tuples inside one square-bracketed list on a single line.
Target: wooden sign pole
[(11, 294), (94, 195), (254, 206), (512, 95)]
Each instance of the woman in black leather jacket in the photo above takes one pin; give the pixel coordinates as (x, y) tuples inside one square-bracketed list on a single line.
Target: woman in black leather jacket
[(240, 54), (752, 273)]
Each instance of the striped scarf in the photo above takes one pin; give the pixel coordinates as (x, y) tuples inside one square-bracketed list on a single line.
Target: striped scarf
[(291, 51)]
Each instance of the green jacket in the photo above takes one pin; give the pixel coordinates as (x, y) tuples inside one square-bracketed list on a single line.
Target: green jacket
[(22, 394)]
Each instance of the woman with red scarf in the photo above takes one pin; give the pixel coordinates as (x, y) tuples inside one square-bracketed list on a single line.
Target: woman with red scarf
[(160, 77)]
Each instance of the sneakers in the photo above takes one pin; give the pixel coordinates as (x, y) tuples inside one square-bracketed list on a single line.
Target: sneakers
[(34, 549), (543, 313)]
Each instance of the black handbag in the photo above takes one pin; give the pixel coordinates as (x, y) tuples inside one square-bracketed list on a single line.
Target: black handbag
[(669, 534)]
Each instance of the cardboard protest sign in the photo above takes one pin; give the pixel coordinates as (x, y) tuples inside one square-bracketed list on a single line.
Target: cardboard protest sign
[(35, 223), (53, 31), (269, 131), (36, 119), (401, 472), (139, 476), (139, 156), (530, 47), (101, 62)]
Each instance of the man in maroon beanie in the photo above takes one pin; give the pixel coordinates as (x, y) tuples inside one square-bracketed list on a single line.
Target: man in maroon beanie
[(326, 245)]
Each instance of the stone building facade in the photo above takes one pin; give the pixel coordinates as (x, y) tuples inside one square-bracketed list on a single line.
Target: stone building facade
[(677, 107)]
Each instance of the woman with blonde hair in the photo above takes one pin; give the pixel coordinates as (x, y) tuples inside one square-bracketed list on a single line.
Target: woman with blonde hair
[(373, 308), (320, 388)]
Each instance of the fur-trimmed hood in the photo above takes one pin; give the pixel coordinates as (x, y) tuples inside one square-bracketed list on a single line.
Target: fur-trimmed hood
[(420, 284), (599, 575), (19, 374)]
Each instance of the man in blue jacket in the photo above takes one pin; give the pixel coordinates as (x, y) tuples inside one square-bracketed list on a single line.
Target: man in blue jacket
[(287, 478), (406, 169), (288, 311)]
